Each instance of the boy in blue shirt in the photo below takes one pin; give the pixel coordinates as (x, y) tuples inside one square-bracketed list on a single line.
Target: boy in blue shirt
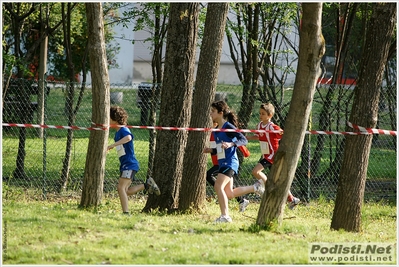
[(129, 164)]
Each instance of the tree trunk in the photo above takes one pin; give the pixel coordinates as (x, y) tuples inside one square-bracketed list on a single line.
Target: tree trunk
[(251, 73), (245, 57), (25, 106), (93, 181), (24, 97), (311, 50), (157, 77), (66, 165), (352, 178), (193, 188), (176, 99)]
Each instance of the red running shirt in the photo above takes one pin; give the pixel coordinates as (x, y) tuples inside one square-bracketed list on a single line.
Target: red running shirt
[(269, 142), (213, 146)]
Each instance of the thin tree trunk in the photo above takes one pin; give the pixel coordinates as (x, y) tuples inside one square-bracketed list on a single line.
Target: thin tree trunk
[(70, 97), (25, 106), (311, 50), (24, 87), (157, 74), (93, 180)]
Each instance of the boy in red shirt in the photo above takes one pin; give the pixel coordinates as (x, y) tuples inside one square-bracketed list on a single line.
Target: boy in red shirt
[(269, 142)]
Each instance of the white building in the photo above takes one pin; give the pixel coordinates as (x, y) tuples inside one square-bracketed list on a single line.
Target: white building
[(135, 60), (142, 62)]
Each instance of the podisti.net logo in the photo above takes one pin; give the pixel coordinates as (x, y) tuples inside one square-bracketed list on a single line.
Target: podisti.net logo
[(384, 253)]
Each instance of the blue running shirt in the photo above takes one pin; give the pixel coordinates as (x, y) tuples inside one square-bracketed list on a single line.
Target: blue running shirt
[(229, 158), (127, 157)]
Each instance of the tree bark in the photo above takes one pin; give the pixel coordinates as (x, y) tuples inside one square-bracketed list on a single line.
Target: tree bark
[(93, 181), (311, 50), (245, 56), (17, 20), (193, 188), (70, 88), (157, 77), (176, 100), (352, 178)]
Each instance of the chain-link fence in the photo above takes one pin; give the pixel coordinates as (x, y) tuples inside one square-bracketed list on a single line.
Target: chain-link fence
[(53, 159)]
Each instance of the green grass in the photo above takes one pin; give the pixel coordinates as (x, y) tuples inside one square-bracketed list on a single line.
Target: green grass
[(56, 231)]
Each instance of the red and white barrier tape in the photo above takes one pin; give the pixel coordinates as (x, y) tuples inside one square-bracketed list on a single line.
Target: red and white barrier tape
[(102, 127), (28, 125), (371, 130)]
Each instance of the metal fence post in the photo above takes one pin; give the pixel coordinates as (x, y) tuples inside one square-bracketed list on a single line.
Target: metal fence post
[(44, 134)]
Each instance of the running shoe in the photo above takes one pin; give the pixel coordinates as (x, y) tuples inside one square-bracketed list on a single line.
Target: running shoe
[(259, 189), (152, 187), (223, 219), (295, 201), (243, 204)]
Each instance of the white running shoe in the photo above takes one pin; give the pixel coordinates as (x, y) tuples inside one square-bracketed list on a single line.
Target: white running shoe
[(295, 201), (223, 219), (259, 188), (244, 204), (152, 187)]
